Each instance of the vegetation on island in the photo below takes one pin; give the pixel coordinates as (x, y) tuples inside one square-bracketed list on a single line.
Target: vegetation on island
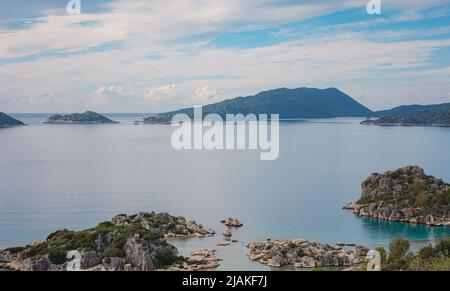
[(58, 244), (415, 193), (126, 243), (87, 117), (287, 103), (8, 121), (405, 195), (419, 117)]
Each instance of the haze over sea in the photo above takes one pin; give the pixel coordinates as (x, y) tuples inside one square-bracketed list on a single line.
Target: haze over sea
[(57, 176)]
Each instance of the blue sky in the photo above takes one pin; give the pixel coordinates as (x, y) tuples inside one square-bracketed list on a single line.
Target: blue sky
[(149, 56)]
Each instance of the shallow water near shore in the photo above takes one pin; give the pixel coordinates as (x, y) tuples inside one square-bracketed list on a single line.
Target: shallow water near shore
[(56, 176)]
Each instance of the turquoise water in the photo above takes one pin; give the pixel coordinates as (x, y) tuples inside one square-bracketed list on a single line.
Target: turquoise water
[(54, 177)]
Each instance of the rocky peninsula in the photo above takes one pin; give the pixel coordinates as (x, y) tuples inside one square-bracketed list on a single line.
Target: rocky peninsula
[(8, 121), (126, 243), (305, 254), (419, 118), (404, 195), (87, 117)]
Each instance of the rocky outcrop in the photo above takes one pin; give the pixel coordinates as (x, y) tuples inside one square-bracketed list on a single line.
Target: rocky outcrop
[(200, 260), (8, 121), (233, 222), (87, 117), (126, 243), (169, 226), (304, 254), (227, 233), (139, 255), (404, 195)]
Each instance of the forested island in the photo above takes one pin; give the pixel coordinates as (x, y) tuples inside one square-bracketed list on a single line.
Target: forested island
[(8, 121), (87, 117)]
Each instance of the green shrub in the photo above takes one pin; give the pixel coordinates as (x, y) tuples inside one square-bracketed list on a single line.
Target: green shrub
[(422, 200), (398, 249), (367, 200), (383, 254), (447, 197), (56, 233), (428, 258), (57, 256), (15, 250), (291, 247), (443, 247), (166, 259), (396, 174), (115, 248), (427, 252)]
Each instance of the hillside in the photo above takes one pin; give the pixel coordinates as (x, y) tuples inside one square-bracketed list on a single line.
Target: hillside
[(8, 121), (409, 109), (288, 103), (87, 117), (404, 117)]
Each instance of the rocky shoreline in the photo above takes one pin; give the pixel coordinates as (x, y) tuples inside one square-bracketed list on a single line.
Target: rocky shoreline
[(126, 243), (307, 254), (170, 226), (405, 195)]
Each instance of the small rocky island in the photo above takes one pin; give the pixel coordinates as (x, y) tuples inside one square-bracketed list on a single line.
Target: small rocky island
[(305, 254), (404, 195), (420, 117), (87, 117), (8, 121), (126, 243)]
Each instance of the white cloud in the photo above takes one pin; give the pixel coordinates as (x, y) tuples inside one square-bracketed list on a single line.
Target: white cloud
[(104, 94), (207, 94), (147, 23), (161, 93), (343, 60), (196, 71)]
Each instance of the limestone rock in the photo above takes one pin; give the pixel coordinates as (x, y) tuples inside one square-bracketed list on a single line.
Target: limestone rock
[(233, 222), (303, 254), (405, 195)]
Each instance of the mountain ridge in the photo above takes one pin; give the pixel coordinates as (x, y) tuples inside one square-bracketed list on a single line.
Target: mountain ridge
[(413, 115), (288, 103), (406, 109), (8, 121)]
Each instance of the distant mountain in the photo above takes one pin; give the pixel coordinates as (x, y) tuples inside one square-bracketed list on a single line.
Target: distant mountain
[(408, 109), (419, 117), (8, 121), (87, 117), (288, 103), (431, 115)]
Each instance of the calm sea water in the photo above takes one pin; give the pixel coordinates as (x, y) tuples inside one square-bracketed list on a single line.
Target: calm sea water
[(54, 176)]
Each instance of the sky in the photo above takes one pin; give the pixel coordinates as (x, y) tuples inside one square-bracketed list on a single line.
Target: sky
[(160, 55)]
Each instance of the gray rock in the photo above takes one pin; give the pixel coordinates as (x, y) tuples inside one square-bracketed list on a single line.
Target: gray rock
[(361, 251), (139, 254), (227, 233), (114, 264), (89, 258), (233, 222)]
